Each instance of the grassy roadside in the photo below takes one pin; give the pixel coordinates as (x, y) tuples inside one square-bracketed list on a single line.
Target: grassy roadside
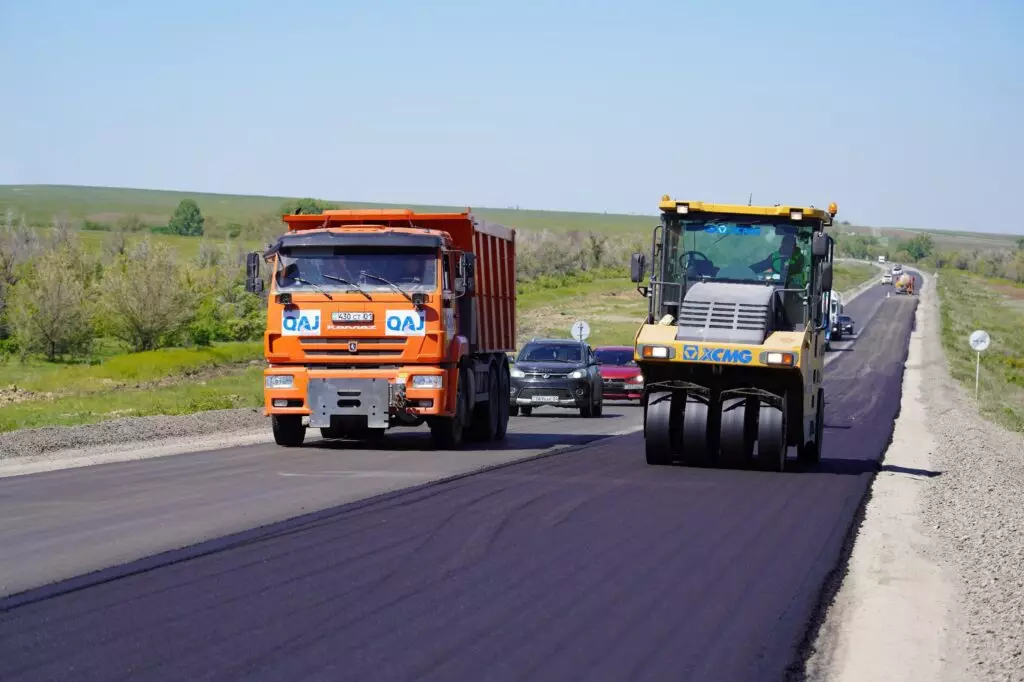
[(846, 276), (181, 381), (969, 302)]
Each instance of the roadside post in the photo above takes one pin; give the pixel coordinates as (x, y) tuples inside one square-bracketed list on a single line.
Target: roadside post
[(979, 341)]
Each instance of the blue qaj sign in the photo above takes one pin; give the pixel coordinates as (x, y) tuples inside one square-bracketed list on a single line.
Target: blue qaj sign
[(296, 322), (405, 323), (735, 356)]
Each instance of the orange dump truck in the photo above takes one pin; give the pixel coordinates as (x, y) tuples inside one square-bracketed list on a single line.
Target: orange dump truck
[(385, 318)]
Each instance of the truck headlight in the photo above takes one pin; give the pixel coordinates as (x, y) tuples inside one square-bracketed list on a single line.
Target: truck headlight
[(516, 373), (280, 381), (428, 381), (577, 374)]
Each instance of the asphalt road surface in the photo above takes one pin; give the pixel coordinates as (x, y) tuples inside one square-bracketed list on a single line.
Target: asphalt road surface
[(586, 564)]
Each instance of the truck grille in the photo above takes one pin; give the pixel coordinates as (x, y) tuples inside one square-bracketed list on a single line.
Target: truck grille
[(718, 315), (321, 347)]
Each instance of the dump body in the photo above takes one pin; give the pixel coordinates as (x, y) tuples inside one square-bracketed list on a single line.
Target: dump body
[(732, 351), (383, 318)]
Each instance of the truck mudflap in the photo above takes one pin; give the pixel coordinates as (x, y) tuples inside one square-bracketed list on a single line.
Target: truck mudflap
[(349, 397)]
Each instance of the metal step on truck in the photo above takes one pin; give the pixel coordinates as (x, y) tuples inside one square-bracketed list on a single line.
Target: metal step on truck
[(379, 319)]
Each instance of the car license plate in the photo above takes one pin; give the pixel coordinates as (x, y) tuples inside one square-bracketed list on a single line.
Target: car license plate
[(351, 317), (545, 398), (634, 387)]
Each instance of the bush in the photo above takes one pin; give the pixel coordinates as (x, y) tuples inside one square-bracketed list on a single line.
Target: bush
[(147, 299), (51, 306)]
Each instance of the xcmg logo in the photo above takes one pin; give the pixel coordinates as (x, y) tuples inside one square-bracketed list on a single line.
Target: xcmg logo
[(404, 323), (734, 356), (297, 322)]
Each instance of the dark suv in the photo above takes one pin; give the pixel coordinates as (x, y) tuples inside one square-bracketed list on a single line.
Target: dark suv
[(557, 373)]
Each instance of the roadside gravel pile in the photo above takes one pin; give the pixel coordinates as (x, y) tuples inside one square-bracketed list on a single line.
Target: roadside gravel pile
[(34, 443), (976, 512)]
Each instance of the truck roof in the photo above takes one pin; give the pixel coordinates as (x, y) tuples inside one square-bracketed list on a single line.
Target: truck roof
[(670, 205)]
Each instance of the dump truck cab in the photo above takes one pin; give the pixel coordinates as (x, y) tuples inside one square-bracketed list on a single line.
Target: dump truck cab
[(387, 318), (732, 350)]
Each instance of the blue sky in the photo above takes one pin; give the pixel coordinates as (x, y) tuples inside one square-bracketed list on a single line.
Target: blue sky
[(905, 113)]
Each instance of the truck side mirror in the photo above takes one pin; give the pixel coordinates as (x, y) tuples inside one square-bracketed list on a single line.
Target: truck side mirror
[(826, 277), (253, 282), (637, 267), (819, 245)]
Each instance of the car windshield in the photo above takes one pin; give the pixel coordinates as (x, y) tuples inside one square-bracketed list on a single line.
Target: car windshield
[(736, 249), (616, 357), (350, 269), (551, 352)]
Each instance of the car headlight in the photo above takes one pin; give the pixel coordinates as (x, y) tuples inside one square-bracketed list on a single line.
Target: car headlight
[(638, 379), (280, 381), (428, 381), (577, 374), (516, 373)]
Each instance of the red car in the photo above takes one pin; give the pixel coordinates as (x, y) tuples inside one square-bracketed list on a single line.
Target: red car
[(619, 374)]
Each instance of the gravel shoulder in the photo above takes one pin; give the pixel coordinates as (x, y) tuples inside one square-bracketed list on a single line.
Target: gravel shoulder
[(932, 588)]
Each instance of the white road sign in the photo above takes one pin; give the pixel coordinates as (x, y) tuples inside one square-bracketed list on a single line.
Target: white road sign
[(580, 330), (980, 340)]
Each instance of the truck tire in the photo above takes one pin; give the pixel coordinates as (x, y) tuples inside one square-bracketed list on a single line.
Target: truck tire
[(504, 409), (288, 430), (487, 415), (771, 437), (447, 432)]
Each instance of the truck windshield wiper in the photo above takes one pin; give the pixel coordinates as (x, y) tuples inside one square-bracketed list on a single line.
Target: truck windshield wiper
[(392, 285), (315, 286), (351, 284)]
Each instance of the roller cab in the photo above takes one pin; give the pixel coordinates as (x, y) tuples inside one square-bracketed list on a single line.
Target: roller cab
[(732, 351)]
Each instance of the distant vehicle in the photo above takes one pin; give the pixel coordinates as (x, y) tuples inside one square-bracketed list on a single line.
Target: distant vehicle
[(842, 326), (881, 259), (556, 373), (887, 278), (620, 374), (897, 269)]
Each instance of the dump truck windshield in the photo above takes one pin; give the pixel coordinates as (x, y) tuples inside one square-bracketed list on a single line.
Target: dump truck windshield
[(737, 250), (412, 270)]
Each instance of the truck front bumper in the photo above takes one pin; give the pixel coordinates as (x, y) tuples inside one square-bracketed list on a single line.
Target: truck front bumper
[(379, 396)]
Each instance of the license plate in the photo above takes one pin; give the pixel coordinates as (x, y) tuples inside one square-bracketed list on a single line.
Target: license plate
[(351, 317), (634, 387), (545, 398)]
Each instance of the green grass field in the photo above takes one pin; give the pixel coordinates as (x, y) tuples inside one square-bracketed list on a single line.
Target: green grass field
[(968, 303)]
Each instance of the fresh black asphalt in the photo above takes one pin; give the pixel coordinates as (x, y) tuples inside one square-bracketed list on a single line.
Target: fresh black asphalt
[(584, 565)]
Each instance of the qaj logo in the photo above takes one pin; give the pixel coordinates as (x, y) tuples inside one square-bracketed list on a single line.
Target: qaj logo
[(404, 323), (297, 322)]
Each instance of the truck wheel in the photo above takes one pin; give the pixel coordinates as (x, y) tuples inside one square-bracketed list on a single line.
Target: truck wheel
[(487, 415), (661, 428), (504, 409), (447, 432), (810, 452), (771, 437), (738, 431), (288, 430)]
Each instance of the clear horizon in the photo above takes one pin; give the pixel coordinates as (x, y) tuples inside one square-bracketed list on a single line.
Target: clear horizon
[(902, 113)]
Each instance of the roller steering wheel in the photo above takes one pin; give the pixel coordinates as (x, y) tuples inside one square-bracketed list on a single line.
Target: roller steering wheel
[(683, 262)]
